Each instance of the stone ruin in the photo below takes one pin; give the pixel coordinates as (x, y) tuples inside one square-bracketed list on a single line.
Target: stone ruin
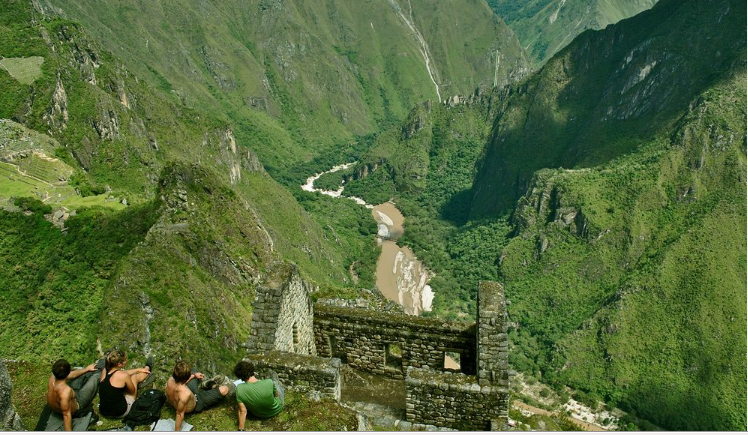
[(455, 373)]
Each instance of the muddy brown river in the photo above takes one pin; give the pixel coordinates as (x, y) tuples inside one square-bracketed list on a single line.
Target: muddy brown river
[(400, 276)]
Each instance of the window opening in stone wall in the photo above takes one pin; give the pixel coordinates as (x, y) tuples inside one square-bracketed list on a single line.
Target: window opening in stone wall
[(452, 360), (393, 355), (335, 350)]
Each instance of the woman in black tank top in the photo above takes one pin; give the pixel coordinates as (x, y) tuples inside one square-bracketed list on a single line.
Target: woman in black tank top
[(116, 401), (112, 401)]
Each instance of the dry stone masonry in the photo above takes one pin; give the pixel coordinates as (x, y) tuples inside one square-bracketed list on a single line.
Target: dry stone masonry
[(282, 315), (472, 394), (302, 373), (452, 400), (389, 344), (466, 402)]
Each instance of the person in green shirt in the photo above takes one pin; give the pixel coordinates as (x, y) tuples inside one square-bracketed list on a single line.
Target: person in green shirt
[(263, 398)]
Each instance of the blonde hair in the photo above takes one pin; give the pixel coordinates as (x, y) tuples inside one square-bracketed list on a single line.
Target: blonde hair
[(115, 357)]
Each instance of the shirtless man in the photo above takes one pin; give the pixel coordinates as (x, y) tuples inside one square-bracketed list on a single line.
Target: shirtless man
[(183, 393), (62, 398)]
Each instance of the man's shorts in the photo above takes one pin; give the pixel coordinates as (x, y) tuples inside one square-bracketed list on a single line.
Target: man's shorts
[(207, 398), (204, 398)]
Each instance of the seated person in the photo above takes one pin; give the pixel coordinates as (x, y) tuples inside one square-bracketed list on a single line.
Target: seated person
[(119, 387), (66, 396), (263, 398), (183, 393)]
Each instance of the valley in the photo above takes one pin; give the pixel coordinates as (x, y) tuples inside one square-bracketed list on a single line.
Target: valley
[(400, 277), (163, 165)]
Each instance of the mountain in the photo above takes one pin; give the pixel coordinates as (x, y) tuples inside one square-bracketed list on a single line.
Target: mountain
[(123, 210), (544, 27), (623, 161), (296, 78)]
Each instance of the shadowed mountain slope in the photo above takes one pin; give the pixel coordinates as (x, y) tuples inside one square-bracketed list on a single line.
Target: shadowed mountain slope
[(544, 27), (624, 163)]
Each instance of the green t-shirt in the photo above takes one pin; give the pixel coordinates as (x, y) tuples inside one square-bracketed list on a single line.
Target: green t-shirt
[(259, 398)]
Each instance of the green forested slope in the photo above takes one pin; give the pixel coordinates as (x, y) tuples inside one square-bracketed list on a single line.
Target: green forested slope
[(295, 78), (204, 220), (607, 93), (544, 27), (426, 165), (627, 269)]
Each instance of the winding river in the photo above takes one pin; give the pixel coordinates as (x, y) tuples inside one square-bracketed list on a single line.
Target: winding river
[(401, 277)]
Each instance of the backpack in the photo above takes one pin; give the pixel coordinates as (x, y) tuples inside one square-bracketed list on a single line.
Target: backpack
[(146, 409)]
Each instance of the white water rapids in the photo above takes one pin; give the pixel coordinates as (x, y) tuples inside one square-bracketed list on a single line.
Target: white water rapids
[(400, 276)]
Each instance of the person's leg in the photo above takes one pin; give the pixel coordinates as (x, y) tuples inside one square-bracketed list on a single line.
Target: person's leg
[(208, 398), (130, 400), (193, 385), (87, 392), (279, 387), (138, 378)]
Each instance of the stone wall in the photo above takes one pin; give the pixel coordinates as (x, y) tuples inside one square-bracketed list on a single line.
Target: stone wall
[(493, 341), (453, 400), (302, 373), (389, 344), (283, 313), (9, 419)]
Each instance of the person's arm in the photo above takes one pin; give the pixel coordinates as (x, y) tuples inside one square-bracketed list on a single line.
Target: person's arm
[(67, 413), (242, 415), (75, 373), (181, 406), (136, 371)]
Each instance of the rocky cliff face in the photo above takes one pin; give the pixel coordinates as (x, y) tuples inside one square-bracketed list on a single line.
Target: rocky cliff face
[(9, 419)]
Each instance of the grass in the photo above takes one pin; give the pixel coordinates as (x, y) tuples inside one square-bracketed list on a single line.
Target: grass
[(24, 69), (16, 184), (51, 170), (299, 413)]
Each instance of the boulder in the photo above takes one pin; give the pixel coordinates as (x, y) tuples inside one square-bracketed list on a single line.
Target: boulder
[(9, 419)]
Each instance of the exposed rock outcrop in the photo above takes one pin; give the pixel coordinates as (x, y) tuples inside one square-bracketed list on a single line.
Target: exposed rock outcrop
[(9, 419), (57, 114)]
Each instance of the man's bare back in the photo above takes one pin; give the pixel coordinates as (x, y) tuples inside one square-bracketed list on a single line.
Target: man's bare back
[(180, 396), (60, 396)]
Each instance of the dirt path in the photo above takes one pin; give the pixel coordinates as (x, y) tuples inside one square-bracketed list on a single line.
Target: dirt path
[(583, 424)]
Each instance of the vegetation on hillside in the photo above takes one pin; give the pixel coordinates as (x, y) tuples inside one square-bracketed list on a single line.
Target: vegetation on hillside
[(295, 79), (627, 271), (209, 226), (545, 27)]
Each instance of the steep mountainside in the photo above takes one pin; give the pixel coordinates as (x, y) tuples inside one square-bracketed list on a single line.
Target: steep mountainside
[(132, 208), (544, 27), (627, 272), (426, 166), (606, 94), (296, 77)]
